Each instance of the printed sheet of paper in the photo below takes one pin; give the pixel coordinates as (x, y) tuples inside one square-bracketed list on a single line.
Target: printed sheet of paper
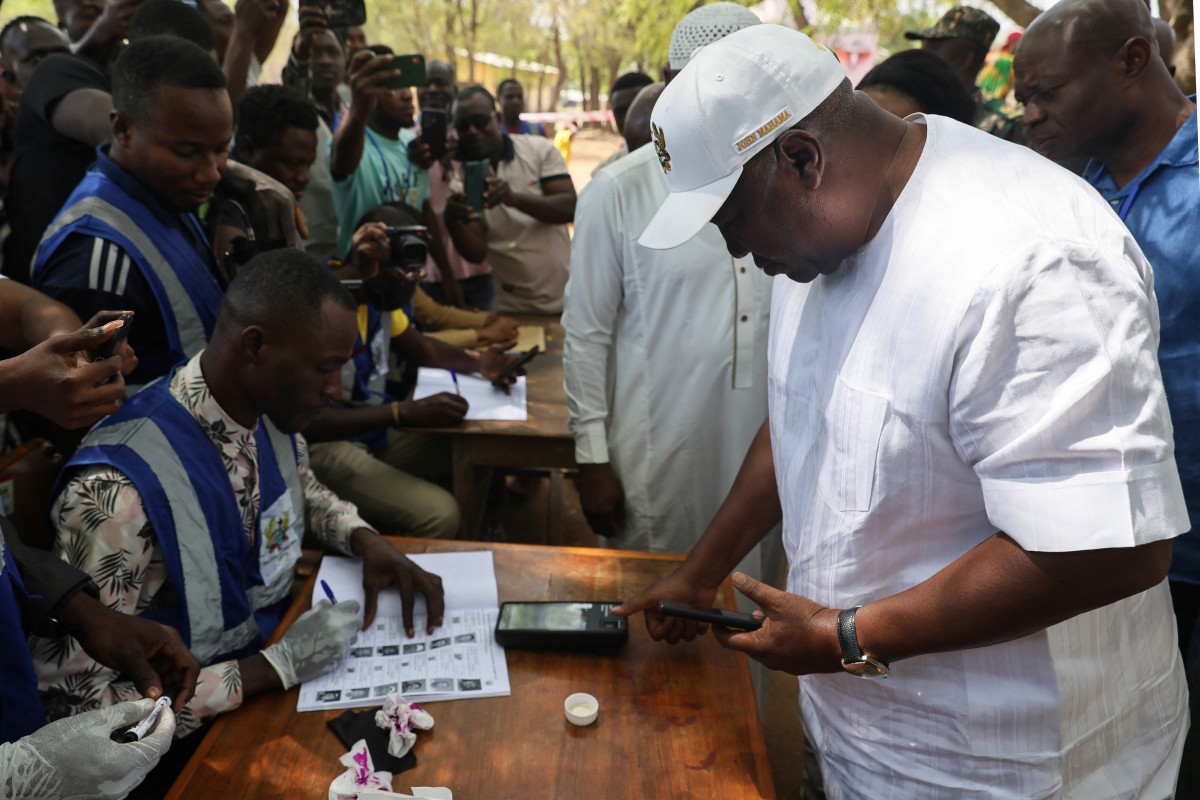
[(486, 401), (459, 660)]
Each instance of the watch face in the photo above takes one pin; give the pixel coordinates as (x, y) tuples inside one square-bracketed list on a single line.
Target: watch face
[(867, 668)]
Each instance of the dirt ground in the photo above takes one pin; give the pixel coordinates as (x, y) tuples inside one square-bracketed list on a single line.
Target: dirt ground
[(588, 148)]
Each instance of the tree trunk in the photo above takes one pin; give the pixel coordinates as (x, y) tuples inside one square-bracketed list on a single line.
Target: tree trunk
[(594, 87), (561, 63), (472, 36), (450, 38), (583, 81), (801, 19), (541, 84), (1019, 11)]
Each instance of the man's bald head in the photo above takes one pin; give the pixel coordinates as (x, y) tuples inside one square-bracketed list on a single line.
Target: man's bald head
[(1091, 77), (1165, 35), (1098, 27), (637, 120)]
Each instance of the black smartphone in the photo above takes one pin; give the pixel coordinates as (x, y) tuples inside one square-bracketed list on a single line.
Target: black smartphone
[(475, 183), (341, 13), (110, 346), (501, 380), (411, 71), (433, 130), (562, 625), (739, 620)]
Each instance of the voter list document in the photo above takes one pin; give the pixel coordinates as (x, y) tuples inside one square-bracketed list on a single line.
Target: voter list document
[(459, 660)]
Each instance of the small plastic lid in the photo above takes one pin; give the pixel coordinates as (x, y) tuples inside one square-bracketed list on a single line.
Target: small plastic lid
[(581, 708)]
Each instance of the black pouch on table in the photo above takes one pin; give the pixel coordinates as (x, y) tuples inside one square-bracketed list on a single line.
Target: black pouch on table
[(351, 726)]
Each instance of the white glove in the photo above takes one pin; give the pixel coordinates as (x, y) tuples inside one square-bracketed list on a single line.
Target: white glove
[(75, 759), (316, 643)]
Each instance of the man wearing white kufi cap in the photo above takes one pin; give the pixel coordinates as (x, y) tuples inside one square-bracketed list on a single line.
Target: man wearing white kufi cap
[(968, 442), (657, 344)]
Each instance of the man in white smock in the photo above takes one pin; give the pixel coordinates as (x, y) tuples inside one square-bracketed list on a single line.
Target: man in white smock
[(665, 350), (968, 443)]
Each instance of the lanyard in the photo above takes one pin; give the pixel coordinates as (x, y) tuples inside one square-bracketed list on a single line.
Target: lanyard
[(391, 190), (1127, 201), (388, 188)]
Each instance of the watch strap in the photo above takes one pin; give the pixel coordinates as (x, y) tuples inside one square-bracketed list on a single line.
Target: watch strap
[(848, 636)]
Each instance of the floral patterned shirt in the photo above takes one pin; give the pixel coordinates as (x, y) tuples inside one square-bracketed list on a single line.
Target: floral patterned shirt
[(102, 529)]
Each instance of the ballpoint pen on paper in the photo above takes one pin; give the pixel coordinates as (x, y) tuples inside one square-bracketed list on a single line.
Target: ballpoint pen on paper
[(454, 377), (328, 592)]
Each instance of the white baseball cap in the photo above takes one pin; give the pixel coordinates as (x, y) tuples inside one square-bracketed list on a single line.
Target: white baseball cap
[(735, 97)]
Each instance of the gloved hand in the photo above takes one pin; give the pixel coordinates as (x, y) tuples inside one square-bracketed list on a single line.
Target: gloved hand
[(75, 758), (315, 643)]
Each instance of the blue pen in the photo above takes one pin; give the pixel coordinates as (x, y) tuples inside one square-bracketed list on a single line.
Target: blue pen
[(454, 377), (328, 592)]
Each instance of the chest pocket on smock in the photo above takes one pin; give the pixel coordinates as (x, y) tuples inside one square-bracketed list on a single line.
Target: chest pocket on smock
[(854, 422)]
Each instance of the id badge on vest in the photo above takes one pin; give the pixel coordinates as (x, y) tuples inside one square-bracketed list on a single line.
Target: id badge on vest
[(280, 532)]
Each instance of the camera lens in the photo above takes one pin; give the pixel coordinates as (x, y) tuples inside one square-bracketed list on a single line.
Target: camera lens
[(413, 252)]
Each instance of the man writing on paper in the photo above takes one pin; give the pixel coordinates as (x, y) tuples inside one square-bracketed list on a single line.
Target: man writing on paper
[(968, 441), (364, 450), (188, 507)]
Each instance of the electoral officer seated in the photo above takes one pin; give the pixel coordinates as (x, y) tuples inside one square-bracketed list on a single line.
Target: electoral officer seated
[(188, 506)]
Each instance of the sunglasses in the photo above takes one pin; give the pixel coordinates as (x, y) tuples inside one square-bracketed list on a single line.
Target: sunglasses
[(479, 122)]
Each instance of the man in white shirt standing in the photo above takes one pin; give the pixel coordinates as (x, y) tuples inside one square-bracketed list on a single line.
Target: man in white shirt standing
[(968, 443), (658, 344)]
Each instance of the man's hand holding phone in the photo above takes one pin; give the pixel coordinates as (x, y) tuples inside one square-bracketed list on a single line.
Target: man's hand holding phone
[(62, 380), (369, 74), (498, 192), (312, 22), (501, 368)]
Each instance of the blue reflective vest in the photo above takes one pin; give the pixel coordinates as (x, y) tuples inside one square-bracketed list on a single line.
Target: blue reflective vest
[(21, 711), (185, 289), (225, 594)]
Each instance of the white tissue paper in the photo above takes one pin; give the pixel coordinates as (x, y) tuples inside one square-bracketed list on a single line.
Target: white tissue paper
[(402, 719), (419, 793), (360, 777)]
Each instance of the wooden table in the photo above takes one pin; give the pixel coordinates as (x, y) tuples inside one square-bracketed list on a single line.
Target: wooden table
[(675, 722), (542, 441)]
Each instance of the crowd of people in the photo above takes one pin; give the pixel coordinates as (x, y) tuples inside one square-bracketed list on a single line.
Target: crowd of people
[(913, 360)]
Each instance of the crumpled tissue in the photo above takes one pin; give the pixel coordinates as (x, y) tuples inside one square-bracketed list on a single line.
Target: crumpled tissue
[(402, 719), (360, 775)]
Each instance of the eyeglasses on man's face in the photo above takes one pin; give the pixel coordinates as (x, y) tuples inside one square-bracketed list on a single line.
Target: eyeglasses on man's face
[(477, 121)]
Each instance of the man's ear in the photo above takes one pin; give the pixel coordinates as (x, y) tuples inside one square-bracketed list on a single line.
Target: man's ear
[(1134, 56), (252, 343), (122, 127), (805, 156)]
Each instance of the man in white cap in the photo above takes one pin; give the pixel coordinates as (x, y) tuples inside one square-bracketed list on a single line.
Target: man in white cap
[(968, 442), (658, 343)]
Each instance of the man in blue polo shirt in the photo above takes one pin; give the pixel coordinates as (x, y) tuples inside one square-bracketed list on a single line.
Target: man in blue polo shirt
[(1094, 86), (128, 237)]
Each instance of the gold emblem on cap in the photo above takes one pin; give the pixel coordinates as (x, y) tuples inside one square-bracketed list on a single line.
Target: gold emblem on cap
[(660, 147)]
